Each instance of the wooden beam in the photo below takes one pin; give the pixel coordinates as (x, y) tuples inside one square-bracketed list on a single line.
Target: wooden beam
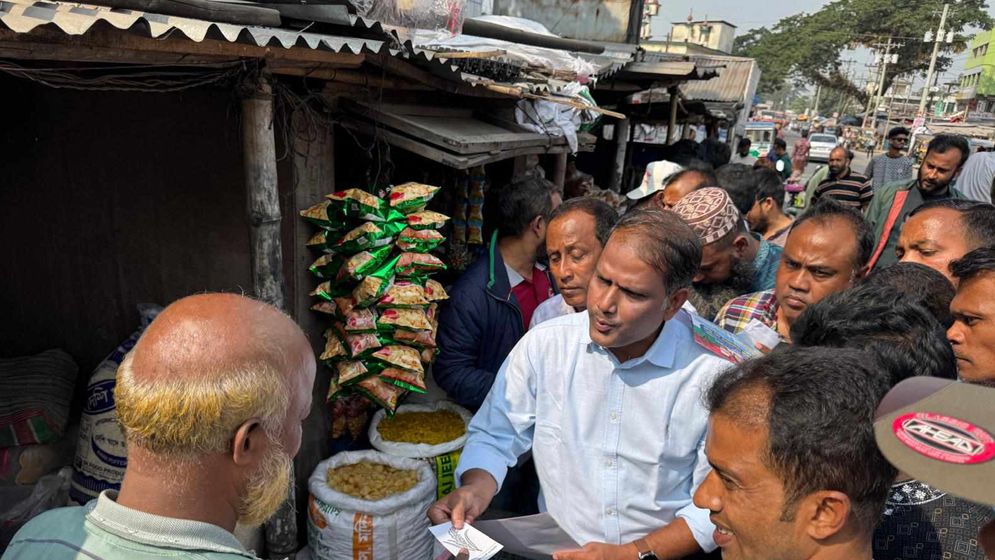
[(407, 70), (323, 72), (621, 145)]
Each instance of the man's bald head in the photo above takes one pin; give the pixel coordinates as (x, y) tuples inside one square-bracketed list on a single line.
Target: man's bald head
[(206, 365)]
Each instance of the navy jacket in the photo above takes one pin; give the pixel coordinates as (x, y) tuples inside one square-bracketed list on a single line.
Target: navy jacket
[(478, 327)]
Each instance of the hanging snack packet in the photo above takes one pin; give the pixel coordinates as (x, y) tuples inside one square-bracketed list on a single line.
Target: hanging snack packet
[(367, 235), (328, 307), (318, 240), (418, 339), (415, 264), (411, 197), (358, 344), (352, 371), (328, 267), (404, 294), (334, 350), (434, 291), (410, 380), (356, 204), (419, 240), (404, 319), (426, 220), (403, 357), (375, 285), (432, 312), (380, 393), (360, 321), (358, 265), (334, 389), (326, 291), (428, 355), (345, 305), (319, 216)]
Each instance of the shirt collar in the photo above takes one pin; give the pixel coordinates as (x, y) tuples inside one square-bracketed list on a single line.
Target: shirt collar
[(156, 530), (661, 353), (514, 278), (763, 251)]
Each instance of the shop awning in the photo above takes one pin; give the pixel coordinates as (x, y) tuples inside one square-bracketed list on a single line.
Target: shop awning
[(460, 138)]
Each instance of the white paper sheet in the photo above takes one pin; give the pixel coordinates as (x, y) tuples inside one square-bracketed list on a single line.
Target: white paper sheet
[(532, 536), (479, 545)]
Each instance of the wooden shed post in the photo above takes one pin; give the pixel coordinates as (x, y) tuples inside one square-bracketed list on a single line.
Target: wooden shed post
[(268, 284), (560, 171), (621, 143), (672, 122), (259, 161)]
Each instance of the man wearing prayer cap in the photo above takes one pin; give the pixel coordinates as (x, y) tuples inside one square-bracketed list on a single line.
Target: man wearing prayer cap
[(734, 260)]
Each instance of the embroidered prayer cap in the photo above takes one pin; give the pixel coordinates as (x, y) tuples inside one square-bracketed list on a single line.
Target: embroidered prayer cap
[(710, 213)]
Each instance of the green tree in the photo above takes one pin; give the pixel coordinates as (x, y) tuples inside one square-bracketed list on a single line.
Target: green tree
[(806, 48)]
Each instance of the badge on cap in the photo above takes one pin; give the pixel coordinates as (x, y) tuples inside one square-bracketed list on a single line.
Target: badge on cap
[(944, 438)]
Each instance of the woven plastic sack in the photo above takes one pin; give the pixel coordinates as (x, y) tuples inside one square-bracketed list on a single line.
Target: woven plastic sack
[(342, 527), (443, 457)]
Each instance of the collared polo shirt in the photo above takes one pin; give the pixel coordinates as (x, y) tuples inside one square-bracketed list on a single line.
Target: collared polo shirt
[(105, 530)]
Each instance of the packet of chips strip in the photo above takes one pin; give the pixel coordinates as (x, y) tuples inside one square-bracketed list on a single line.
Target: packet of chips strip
[(426, 220), (403, 294), (356, 204), (404, 319), (375, 285), (318, 240), (418, 339), (328, 307), (399, 356), (358, 344), (329, 292), (434, 291), (334, 389), (368, 235), (380, 393), (358, 265), (411, 197), (319, 216), (334, 350), (328, 267), (419, 240), (416, 264), (360, 321), (410, 380), (352, 371), (344, 305)]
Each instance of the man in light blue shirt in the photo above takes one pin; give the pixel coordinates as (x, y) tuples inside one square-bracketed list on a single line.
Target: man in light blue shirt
[(609, 402)]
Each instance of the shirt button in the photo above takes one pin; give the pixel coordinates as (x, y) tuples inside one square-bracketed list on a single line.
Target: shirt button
[(614, 417), (608, 463), (610, 511)]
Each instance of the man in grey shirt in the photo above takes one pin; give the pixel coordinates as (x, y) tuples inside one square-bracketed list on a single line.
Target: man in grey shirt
[(975, 179), (891, 166)]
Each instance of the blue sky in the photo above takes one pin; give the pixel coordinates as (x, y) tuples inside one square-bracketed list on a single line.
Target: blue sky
[(759, 14)]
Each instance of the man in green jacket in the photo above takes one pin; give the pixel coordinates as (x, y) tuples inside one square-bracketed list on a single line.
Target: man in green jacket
[(945, 156)]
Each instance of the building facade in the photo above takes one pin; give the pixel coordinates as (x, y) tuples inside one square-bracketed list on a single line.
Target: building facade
[(717, 35), (977, 83)]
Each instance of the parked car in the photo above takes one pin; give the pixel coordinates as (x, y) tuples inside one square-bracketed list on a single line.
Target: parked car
[(821, 145)]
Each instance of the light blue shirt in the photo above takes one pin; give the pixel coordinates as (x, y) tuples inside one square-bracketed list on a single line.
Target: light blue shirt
[(619, 447)]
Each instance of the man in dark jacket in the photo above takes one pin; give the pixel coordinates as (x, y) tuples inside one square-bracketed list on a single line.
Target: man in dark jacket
[(491, 305)]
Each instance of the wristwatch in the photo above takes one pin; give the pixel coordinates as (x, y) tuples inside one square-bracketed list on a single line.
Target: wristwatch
[(644, 550)]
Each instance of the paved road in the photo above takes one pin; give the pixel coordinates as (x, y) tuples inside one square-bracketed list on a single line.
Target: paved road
[(859, 163)]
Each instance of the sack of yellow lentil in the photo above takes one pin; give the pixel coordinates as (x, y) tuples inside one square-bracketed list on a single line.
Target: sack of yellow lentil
[(391, 527), (434, 433)]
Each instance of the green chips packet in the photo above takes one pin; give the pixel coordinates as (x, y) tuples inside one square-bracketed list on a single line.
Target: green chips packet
[(418, 264), (411, 197), (419, 241), (374, 285), (426, 220)]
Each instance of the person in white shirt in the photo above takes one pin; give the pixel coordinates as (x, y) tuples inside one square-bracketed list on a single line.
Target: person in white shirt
[(742, 154), (575, 236), (610, 404)]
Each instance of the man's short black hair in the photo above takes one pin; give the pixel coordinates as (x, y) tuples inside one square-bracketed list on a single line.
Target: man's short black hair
[(743, 143), (897, 131), (716, 153), (978, 218), (943, 142), (828, 208), (519, 202), (740, 182), (904, 336), (780, 143), (704, 171), (920, 284), (819, 415), (604, 215), (668, 244), (978, 261), (769, 185)]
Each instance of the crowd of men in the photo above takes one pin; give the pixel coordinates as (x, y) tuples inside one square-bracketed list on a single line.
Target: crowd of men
[(699, 372)]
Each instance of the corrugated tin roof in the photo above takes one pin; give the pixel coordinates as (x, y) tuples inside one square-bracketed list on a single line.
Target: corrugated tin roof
[(731, 84), (23, 16)]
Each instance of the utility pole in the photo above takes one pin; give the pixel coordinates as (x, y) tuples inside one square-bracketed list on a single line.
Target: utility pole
[(932, 61), (818, 92), (884, 73)]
